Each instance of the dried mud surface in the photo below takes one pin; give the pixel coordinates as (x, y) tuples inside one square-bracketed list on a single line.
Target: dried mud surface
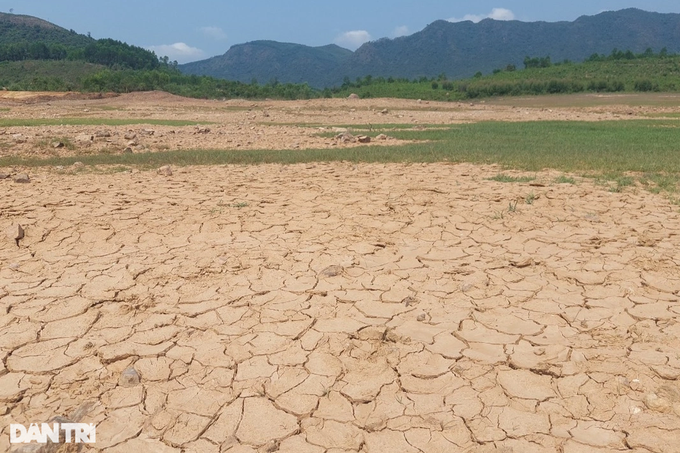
[(238, 124), (331, 308)]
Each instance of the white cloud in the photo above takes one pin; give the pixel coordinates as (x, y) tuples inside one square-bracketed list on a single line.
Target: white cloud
[(496, 14), (501, 14), (353, 39), (215, 33), (179, 51), (400, 31)]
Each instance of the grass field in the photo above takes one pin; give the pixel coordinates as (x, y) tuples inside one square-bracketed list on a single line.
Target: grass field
[(607, 150)]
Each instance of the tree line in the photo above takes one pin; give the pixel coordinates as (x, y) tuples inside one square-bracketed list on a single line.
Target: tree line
[(107, 52)]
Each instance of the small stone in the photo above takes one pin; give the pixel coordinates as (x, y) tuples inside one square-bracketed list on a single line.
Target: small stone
[(129, 378), (15, 232), (332, 271), (18, 138), (165, 170), (384, 111), (102, 134), (22, 178), (127, 150), (353, 96), (4, 175), (364, 139), (381, 137), (84, 138), (656, 403), (422, 317), (78, 164), (409, 300), (346, 137), (522, 262), (130, 136), (148, 131), (202, 130), (57, 145), (132, 143)]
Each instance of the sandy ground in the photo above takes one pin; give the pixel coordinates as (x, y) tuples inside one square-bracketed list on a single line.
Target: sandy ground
[(330, 308)]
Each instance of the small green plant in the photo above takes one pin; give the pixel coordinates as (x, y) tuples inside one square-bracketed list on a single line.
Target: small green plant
[(240, 205), (56, 143), (512, 206), (621, 182), (498, 215), (501, 177), (565, 180), (529, 199)]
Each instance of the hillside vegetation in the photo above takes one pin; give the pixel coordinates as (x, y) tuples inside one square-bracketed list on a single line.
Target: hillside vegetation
[(618, 72)]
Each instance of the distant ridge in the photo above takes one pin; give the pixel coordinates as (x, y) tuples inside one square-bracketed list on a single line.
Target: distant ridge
[(457, 49), (266, 61)]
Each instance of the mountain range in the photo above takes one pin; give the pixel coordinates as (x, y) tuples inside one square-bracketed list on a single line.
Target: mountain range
[(458, 49)]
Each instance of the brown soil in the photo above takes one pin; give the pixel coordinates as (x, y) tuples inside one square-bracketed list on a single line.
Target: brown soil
[(241, 124), (335, 307)]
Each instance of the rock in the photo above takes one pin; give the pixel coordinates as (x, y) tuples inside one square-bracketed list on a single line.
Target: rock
[(353, 96), (165, 170), (422, 317), (657, 404), (15, 232), (333, 271), (77, 164), (384, 111), (364, 139), (4, 175), (18, 138), (127, 150), (148, 131), (202, 130), (522, 262), (381, 137), (129, 378), (346, 137), (130, 136), (22, 178), (84, 138), (132, 143), (102, 134), (57, 145)]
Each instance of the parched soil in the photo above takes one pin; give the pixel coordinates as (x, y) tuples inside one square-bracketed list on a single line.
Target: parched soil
[(238, 124), (334, 307)]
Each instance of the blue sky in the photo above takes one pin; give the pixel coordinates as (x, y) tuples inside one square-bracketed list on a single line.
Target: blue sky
[(193, 30)]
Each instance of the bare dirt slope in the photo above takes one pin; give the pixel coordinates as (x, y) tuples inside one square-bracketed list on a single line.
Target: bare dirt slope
[(340, 308)]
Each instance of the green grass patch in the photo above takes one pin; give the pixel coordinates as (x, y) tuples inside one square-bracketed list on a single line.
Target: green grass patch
[(565, 180), (610, 149), (501, 177), (32, 122)]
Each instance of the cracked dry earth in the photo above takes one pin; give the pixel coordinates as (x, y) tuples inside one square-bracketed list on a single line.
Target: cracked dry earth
[(333, 308)]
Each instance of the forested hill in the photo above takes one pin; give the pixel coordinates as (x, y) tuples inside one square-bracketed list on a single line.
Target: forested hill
[(457, 49), (29, 38), (15, 28)]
